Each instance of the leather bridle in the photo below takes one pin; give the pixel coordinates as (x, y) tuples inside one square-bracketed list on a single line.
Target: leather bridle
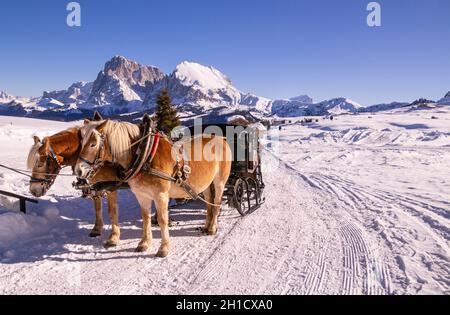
[(50, 176), (97, 163)]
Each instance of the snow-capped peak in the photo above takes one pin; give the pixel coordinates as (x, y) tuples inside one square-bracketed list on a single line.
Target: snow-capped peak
[(340, 106), (206, 87), (195, 74), (5, 97)]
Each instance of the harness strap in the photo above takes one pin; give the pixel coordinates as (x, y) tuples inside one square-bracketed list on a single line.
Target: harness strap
[(187, 188), (145, 152), (54, 156)]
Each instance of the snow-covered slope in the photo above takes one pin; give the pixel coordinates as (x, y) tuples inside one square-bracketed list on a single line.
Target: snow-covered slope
[(338, 106), (297, 106), (78, 92), (364, 210), (383, 107), (303, 106)]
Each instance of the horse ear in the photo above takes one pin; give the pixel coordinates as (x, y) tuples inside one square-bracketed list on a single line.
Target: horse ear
[(87, 121), (36, 140), (97, 116), (102, 125), (146, 119)]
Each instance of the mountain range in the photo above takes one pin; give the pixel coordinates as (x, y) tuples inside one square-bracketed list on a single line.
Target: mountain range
[(126, 89)]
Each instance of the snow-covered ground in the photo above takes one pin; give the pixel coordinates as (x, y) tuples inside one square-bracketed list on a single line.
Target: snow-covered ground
[(357, 205)]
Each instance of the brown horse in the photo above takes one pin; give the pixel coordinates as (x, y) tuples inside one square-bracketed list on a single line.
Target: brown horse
[(46, 159), (111, 141)]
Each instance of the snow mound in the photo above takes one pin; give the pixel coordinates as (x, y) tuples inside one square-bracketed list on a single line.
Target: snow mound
[(373, 137), (15, 226)]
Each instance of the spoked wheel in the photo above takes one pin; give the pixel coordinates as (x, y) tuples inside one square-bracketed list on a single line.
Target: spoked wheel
[(240, 197), (247, 196), (254, 193)]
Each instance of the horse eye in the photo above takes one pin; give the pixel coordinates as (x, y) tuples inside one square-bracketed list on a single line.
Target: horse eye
[(93, 145)]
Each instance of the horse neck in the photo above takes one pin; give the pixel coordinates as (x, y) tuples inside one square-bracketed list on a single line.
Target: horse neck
[(66, 144)]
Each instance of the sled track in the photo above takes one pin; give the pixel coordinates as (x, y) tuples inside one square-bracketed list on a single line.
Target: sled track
[(361, 267), (358, 254), (316, 272), (430, 216)]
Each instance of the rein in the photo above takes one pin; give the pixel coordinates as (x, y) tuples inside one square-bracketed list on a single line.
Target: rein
[(26, 173), (47, 182)]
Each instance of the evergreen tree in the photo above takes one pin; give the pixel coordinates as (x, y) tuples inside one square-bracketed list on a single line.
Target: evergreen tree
[(166, 115)]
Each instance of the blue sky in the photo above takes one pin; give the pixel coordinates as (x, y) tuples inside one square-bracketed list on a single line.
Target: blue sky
[(276, 49)]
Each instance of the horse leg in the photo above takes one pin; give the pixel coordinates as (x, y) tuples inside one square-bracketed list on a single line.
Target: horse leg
[(114, 238), (217, 189), (98, 227), (145, 202), (209, 196), (162, 206)]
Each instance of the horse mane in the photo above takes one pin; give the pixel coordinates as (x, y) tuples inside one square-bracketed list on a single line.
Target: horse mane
[(119, 136), (33, 155)]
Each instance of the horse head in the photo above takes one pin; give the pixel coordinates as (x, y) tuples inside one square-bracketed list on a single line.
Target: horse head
[(45, 165), (93, 148)]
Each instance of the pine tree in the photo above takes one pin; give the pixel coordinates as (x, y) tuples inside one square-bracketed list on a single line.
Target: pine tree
[(166, 115)]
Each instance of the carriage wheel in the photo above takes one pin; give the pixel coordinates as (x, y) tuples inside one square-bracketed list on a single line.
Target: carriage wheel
[(240, 197)]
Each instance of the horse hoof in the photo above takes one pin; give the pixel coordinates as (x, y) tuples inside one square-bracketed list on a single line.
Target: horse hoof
[(211, 232), (95, 234), (162, 253), (141, 249), (110, 244)]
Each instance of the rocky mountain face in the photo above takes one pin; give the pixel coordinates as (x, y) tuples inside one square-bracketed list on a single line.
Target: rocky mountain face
[(123, 81)]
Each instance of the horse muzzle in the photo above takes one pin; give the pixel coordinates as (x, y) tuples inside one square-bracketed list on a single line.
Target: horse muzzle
[(38, 189), (83, 170)]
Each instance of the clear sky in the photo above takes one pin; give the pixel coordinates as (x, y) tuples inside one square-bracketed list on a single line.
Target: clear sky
[(273, 48)]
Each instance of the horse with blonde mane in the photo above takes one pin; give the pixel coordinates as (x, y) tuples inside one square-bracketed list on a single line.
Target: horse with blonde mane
[(46, 159), (112, 142)]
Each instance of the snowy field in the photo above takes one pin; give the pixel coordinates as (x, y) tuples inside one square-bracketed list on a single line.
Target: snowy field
[(358, 205)]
